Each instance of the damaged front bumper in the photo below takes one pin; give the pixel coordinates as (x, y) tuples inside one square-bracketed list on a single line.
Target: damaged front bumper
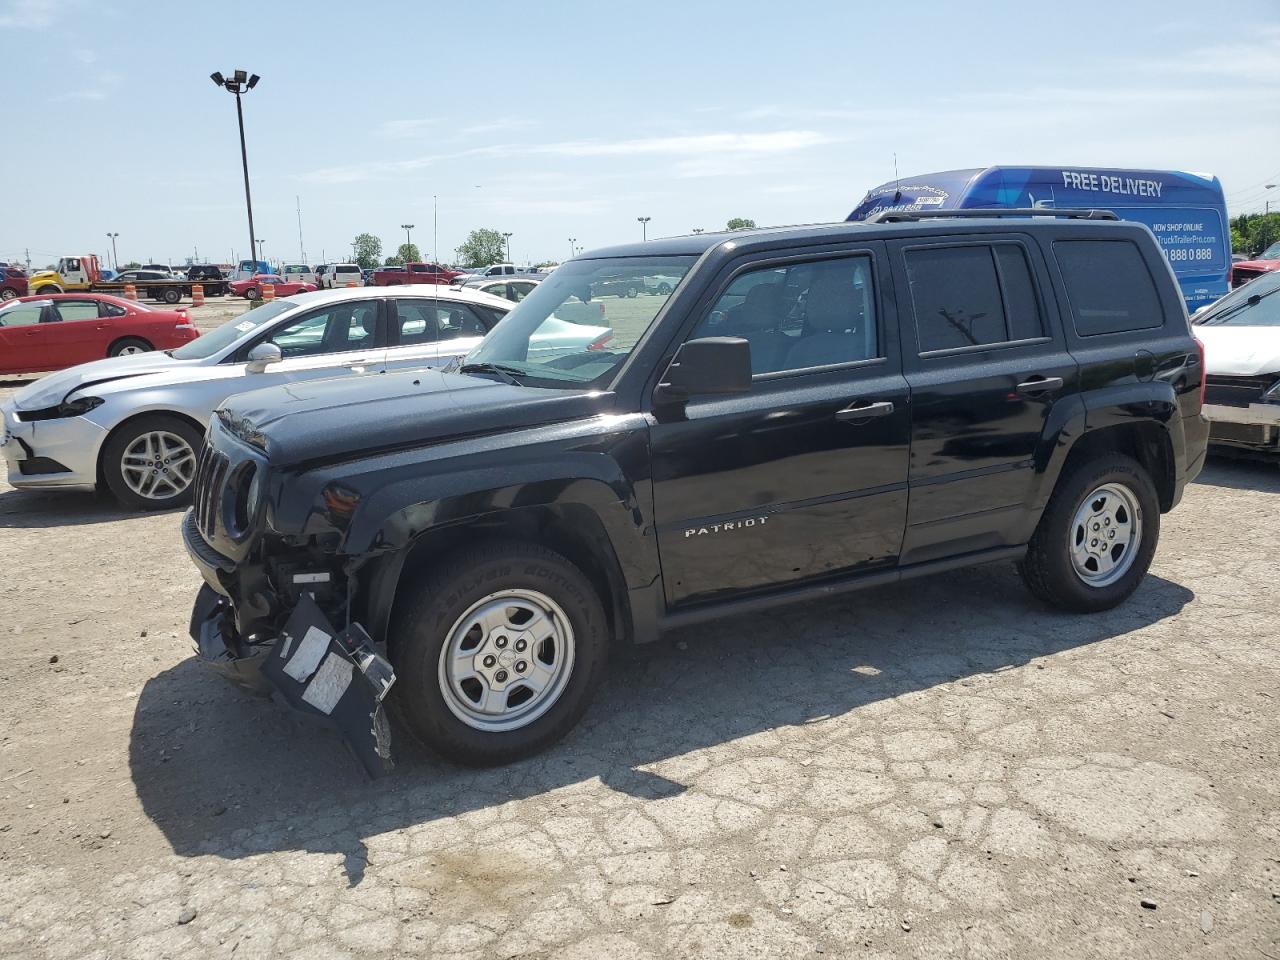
[(335, 676)]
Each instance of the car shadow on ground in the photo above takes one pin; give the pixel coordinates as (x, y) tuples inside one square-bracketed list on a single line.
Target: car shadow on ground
[(1241, 473), (37, 509), (221, 773)]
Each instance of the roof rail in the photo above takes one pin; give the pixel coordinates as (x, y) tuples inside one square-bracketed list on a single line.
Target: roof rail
[(904, 216)]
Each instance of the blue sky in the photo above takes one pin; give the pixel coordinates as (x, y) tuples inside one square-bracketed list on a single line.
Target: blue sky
[(571, 119)]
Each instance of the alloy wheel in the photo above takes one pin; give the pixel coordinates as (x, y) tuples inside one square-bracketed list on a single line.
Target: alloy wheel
[(158, 465)]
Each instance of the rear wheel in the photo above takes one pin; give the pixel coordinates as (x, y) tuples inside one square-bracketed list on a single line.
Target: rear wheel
[(8, 293), (150, 461), (1096, 538), (129, 345), (498, 654), (171, 295)]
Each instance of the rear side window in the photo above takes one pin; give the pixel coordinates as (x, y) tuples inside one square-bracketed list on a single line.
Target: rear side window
[(1109, 286), (972, 295)]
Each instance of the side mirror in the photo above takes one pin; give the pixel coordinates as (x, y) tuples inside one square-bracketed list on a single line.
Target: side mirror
[(262, 356), (710, 365)]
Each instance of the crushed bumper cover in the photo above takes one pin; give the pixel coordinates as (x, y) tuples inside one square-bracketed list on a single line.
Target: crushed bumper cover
[(336, 677)]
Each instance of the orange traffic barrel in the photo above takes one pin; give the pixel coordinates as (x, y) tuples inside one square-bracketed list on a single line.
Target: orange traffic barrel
[(130, 292), (197, 295), (268, 291)]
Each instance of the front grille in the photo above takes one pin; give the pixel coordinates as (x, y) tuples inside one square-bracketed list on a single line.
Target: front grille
[(211, 472), (1236, 391)]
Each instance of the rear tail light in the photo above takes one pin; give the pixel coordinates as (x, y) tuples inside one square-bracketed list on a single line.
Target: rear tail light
[(1204, 373), (599, 342)]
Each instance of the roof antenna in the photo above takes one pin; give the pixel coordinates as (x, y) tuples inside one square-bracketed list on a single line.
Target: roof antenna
[(897, 190)]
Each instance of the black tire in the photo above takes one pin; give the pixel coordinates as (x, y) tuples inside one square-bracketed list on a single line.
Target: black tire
[(46, 291), (171, 295), (447, 591), (1048, 570), (251, 293), (633, 291), (8, 293), (664, 288), (129, 345), (124, 436)]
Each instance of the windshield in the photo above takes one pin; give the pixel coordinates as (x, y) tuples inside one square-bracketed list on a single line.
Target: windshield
[(217, 340), (1253, 305), (579, 325), (1271, 253)]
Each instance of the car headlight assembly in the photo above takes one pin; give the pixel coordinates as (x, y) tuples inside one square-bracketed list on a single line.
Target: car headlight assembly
[(1272, 393), (68, 408)]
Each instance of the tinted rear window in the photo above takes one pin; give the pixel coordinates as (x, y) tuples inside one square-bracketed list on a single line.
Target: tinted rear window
[(1109, 286)]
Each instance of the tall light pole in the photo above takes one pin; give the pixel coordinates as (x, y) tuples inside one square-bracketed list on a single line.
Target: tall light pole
[(507, 237), (1267, 206), (241, 81), (261, 256), (115, 257), (406, 227), (644, 227), (1266, 214), (435, 228), (572, 241), (697, 229)]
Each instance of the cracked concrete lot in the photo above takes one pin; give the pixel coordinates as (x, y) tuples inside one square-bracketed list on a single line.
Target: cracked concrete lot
[(937, 769)]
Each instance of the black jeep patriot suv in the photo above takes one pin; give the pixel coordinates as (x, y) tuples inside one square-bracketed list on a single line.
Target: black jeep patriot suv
[(810, 410)]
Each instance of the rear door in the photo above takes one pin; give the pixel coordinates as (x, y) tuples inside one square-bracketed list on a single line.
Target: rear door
[(76, 333), (805, 476), (990, 375), (426, 332)]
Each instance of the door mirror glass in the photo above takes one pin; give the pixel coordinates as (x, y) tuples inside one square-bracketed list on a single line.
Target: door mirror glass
[(708, 365), (262, 356)]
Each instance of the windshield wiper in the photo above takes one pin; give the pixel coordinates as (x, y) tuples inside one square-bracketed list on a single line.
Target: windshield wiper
[(507, 374), (1232, 311)]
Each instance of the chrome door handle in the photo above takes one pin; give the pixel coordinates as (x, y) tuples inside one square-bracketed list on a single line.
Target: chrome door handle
[(1038, 385), (865, 412)]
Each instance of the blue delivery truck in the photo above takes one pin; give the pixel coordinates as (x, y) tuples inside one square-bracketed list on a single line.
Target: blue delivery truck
[(1186, 211)]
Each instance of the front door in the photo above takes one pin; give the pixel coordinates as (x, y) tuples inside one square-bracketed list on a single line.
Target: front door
[(76, 333), (348, 337), (805, 476), (988, 367)]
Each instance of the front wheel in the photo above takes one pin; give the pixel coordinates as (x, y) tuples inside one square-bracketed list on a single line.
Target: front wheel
[(8, 293), (251, 293), (150, 461), (498, 654), (171, 295), (1096, 538)]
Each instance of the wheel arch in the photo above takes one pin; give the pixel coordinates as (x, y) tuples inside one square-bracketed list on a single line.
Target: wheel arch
[(132, 418), (129, 336), (573, 530), (1146, 441)]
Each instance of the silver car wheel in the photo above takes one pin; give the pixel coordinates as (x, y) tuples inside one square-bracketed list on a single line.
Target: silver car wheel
[(8, 294), (129, 350), (158, 465), (506, 660), (1105, 534)]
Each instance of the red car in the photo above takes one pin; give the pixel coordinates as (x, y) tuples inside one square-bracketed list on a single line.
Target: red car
[(13, 281), (63, 329), (1268, 261), (251, 288)]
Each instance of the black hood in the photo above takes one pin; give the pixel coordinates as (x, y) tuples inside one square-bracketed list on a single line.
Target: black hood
[(333, 419)]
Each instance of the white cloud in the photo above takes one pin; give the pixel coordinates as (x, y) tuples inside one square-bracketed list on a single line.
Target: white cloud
[(778, 141)]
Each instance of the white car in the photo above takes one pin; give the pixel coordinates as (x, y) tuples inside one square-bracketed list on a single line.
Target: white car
[(514, 289), (137, 421), (298, 272), (340, 275), (1241, 337)]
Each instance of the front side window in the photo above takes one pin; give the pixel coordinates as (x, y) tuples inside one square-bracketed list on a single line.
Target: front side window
[(22, 314), (972, 295), (336, 329), (799, 315), (561, 336), (1109, 286)]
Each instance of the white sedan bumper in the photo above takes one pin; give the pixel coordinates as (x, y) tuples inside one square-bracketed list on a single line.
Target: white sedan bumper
[(50, 453), (1256, 425)]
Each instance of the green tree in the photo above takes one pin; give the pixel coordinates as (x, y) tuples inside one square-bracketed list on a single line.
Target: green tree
[(408, 253), (483, 248), (740, 223), (368, 250), (1251, 233)]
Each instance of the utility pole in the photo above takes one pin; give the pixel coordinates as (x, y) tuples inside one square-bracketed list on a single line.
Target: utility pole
[(435, 228)]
